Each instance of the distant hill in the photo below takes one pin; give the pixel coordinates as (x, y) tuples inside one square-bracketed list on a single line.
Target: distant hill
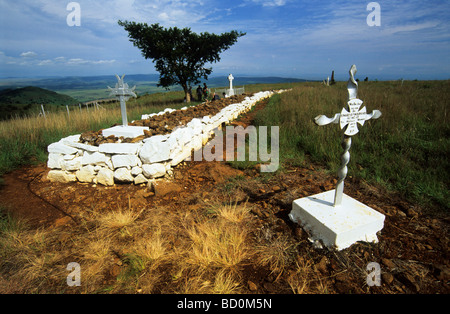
[(88, 88), (26, 100)]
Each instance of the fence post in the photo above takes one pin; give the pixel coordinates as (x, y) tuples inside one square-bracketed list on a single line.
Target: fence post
[(68, 113), (43, 111)]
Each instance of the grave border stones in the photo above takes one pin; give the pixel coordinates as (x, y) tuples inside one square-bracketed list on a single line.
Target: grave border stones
[(139, 162)]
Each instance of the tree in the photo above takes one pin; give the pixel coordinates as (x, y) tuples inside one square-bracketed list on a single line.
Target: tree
[(179, 55)]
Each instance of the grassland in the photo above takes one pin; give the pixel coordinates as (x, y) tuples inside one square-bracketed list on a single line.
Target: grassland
[(204, 250), (406, 150)]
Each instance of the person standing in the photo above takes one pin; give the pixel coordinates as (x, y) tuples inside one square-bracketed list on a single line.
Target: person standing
[(199, 93), (205, 92)]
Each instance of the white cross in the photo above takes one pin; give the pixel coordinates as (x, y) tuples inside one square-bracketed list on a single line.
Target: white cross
[(231, 78), (348, 120), (122, 91)]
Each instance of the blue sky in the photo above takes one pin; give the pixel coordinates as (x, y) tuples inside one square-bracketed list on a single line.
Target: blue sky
[(303, 39)]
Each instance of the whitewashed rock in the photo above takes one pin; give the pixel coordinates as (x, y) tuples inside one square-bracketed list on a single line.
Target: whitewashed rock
[(94, 158), (154, 151), (54, 160), (98, 168), (108, 163), (154, 170), (61, 176), (181, 155), (128, 161), (156, 138), (140, 179), (147, 116), (85, 147), (69, 157), (196, 126), (123, 175), (184, 136), (196, 142), (135, 171), (105, 177), (119, 148), (125, 131), (172, 142), (86, 174), (71, 138), (72, 165), (60, 148), (206, 119)]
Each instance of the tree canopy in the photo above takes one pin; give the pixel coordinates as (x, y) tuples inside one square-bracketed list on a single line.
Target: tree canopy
[(180, 55)]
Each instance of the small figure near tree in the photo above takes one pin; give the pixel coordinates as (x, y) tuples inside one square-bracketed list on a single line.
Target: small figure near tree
[(205, 92), (199, 93), (180, 55)]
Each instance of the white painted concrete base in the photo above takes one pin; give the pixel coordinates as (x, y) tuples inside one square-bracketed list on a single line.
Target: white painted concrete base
[(125, 131), (337, 227)]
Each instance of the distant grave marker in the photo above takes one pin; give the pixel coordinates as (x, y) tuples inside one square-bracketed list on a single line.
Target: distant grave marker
[(345, 221), (231, 90)]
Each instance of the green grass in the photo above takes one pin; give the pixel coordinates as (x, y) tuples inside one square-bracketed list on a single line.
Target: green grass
[(406, 150)]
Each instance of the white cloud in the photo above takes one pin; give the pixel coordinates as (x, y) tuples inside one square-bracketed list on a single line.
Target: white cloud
[(411, 27), (28, 54), (45, 62), (103, 62), (80, 61), (270, 3)]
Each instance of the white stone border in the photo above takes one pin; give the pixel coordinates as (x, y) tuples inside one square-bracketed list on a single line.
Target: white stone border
[(153, 157)]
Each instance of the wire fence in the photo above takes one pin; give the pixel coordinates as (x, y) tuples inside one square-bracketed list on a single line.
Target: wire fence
[(229, 92)]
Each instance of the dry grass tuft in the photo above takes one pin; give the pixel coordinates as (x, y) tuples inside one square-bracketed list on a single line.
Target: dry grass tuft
[(217, 244), (152, 250)]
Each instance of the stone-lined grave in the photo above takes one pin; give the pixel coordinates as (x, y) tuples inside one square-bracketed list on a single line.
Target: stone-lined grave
[(138, 160)]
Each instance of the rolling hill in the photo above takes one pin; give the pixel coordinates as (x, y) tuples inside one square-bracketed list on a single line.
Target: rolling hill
[(27, 100)]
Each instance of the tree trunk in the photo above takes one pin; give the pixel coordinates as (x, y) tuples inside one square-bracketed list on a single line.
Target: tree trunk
[(187, 95)]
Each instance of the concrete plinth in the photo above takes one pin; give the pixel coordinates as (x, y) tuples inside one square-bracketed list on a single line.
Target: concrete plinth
[(337, 227), (125, 131)]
